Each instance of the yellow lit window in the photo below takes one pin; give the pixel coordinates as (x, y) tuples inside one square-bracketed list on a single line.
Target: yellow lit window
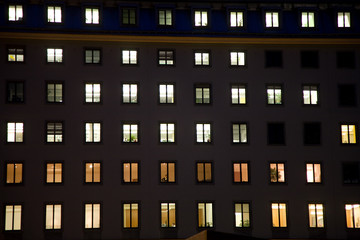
[(130, 215), (53, 216), (279, 215), (168, 215), (205, 215), (316, 215), (348, 134), (241, 174), (130, 172), (352, 215), (14, 173), (92, 172), (92, 215)]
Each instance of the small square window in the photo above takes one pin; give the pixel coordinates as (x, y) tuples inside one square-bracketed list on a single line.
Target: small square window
[(277, 172), (15, 92), (274, 94), (54, 55), (129, 57), (276, 133), (130, 93), (347, 95), (13, 215), (351, 172), (313, 172), (54, 92), (345, 59), (241, 172), (14, 173), (310, 94), (130, 172), (16, 13), (165, 17), (15, 132), (279, 215), (130, 133), (236, 19), (54, 173), (312, 133), (54, 132), (203, 133), (273, 59), (92, 172), (166, 57), (309, 59), (168, 215), (54, 14), (272, 19), (128, 16), (92, 56), (16, 54), (92, 92), (92, 215), (202, 58), (205, 215), (166, 93), (352, 212), (348, 134), (167, 132), (238, 94), (316, 215), (92, 132), (201, 18), (307, 19), (240, 133), (343, 20), (130, 215), (204, 172), (237, 58), (242, 215), (92, 15), (202, 94), (53, 216), (167, 172)]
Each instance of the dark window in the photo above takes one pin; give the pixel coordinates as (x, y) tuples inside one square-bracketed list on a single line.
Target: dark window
[(129, 16), (345, 59), (312, 133), (309, 59), (15, 92), (347, 95), (276, 133), (273, 59), (351, 173)]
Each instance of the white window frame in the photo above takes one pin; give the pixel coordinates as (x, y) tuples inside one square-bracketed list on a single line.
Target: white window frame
[(205, 219), (13, 217), (310, 95), (201, 18), (15, 132), (55, 55), (129, 57), (93, 92), (92, 132), (236, 18), (92, 215), (202, 58), (92, 15), (54, 14), (53, 218), (272, 19), (203, 133)]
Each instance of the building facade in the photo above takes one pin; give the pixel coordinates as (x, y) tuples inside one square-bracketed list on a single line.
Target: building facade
[(159, 119)]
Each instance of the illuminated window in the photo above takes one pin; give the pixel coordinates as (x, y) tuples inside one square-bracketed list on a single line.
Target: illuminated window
[(54, 14), (128, 16), (351, 172), (276, 133), (130, 172), (238, 94), (242, 215), (203, 133), (347, 95), (343, 19), (129, 57), (274, 94), (92, 215), (201, 18), (53, 216), (54, 132), (316, 215), (204, 172), (277, 172), (130, 133), (240, 172), (205, 215), (130, 215), (236, 19), (165, 17), (313, 172), (54, 92), (15, 92), (54, 55), (348, 133), (167, 172), (352, 215), (15, 132), (92, 172), (16, 54), (307, 19), (167, 132), (239, 131), (168, 215), (92, 92), (14, 173), (202, 58), (166, 57), (92, 56), (54, 172), (92, 15), (309, 59), (130, 93), (167, 93), (272, 19), (202, 94), (279, 215), (92, 132), (237, 58), (13, 217), (16, 13), (310, 94)]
